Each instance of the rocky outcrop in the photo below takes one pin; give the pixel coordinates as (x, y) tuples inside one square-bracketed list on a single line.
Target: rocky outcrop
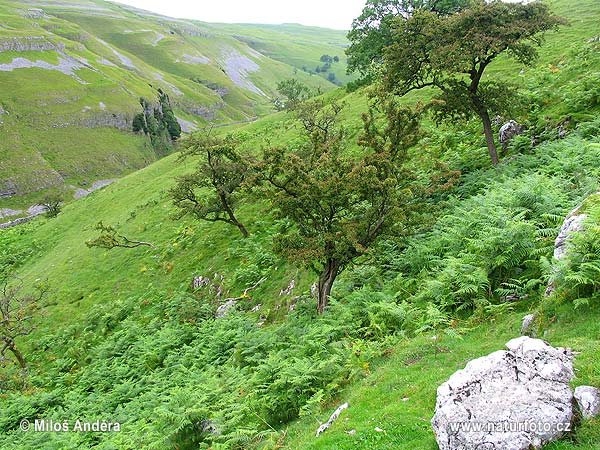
[(512, 400), (238, 68), (32, 212), (7, 212), (122, 121), (222, 310), (28, 44), (573, 223), (79, 193), (508, 131), (588, 401), (526, 324), (186, 125)]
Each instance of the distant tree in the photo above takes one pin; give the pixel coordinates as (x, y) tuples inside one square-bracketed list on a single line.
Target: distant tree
[(110, 238), (212, 192), (318, 69), (139, 123), (294, 92), (326, 59), (337, 204), (159, 123), (451, 53), (372, 30), (17, 314), (331, 77), (53, 204), (168, 116), (336, 59)]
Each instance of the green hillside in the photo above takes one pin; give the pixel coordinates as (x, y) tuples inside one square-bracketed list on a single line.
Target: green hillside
[(72, 73), (130, 335)]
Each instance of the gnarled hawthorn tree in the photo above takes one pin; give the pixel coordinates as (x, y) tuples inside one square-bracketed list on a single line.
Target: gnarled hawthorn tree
[(372, 31), (337, 204), (211, 193), (17, 313), (451, 53)]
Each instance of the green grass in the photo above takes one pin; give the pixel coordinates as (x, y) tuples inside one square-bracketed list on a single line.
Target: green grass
[(39, 99), (399, 395), (123, 335)]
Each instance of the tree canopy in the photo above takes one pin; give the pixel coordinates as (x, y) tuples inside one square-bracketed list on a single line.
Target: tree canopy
[(372, 31), (337, 205), (451, 53), (211, 193)]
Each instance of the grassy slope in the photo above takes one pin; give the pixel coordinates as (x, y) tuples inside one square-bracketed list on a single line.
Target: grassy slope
[(399, 395), (49, 110), (295, 45), (81, 278)]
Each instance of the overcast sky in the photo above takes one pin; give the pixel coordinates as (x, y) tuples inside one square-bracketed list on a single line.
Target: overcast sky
[(337, 14)]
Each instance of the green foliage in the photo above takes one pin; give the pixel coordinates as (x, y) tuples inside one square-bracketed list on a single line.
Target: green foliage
[(493, 240), (578, 277), (110, 238), (212, 192), (372, 31), (294, 92), (126, 337), (158, 123), (53, 204), (451, 54), (336, 206), (16, 248)]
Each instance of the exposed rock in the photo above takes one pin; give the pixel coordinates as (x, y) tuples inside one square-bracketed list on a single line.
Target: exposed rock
[(36, 210), (16, 222), (200, 281), (512, 400), (126, 61), (106, 62), (66, 65), (33, 212), (526, 325), (34, 13), (200, 110), (508, 131), (573, 223), (159, 77), (95, 186), (225, 308), (588, 401), (7, 212), (159, 37), (333, 417), (238, 67), (28, 44), (288, 290), (192, 59), (122, 121), (186, 125)]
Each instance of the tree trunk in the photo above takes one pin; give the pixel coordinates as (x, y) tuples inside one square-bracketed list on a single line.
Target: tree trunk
[(326, 279), (232, 219), (242, 229), (489, 135), (18, 355)]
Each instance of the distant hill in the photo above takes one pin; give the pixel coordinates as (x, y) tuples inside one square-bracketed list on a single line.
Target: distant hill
[(72, 73)]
